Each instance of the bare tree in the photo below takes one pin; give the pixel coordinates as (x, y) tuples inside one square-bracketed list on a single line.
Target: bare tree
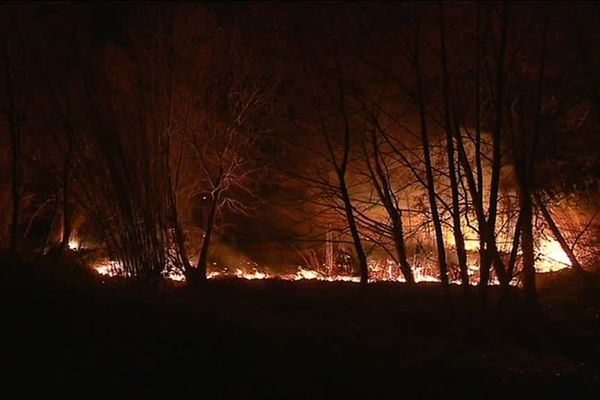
[(456, 220), (327, 186), (234, 102), (227, 169), (379, 174), (427, 156)]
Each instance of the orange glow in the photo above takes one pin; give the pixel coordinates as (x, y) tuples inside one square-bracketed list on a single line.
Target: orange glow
[(551, 258), (74, 243)]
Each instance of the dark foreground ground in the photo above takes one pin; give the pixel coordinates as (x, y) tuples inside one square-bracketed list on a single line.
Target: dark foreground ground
[(69, 331)]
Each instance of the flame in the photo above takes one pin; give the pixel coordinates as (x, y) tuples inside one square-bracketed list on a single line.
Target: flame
[(74, 244), (112, 268), (175, 275), (471, 238), (109, 268), (378, 273), (551, 258)]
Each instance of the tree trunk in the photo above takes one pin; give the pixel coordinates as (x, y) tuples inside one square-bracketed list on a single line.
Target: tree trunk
[(341, 174), (381, 182), (477, 194), (459, 239), (200, 273), (558, 235), (529, 286), (179, 236), (515, 246), (496, 151), (66, 212), (398, 231), (439, 238), (180, 239), (360, 252)]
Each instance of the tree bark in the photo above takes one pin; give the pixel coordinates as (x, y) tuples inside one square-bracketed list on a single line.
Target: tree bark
[(515, 246), (459, 239), (341, 169), (381, 182), (558, 235), (398, 231), (201, 269), (66, 212), (180, 238), (439, 238), (527, 242), (496, 151), (363, 267)]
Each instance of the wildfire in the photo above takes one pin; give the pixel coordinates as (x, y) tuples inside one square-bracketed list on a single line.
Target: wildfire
[(551, 258), (301, 274), (109, 268), (74, 244), (175, 275)]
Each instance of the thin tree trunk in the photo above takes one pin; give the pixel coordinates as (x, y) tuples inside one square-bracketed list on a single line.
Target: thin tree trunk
[(363, 267), (558, 235), (48, 235), (478, 198), (341, 174), (515, 246), (478, 164), (381, 182), (459, 239), (496, 150), (529, 286), (525, 177), (428, 169), (180, 238), (200, 273), (398, 231), (66, 211)]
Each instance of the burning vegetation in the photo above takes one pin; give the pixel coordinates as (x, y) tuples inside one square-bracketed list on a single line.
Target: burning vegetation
[(550, 258), (396, 154), (177, 147)]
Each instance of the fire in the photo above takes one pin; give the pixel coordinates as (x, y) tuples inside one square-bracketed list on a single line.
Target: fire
[(251, 275), (551, 257), (74, 244), (175, 275), (300, 274), (113, 268), (109, 268)]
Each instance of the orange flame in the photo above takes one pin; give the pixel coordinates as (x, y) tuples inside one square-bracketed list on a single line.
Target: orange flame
[(551, 258)]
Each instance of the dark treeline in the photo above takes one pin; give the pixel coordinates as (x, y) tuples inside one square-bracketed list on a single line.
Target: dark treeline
[(459, 135)]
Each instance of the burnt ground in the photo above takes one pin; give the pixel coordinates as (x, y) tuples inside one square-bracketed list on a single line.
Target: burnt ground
[(67, 331)]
